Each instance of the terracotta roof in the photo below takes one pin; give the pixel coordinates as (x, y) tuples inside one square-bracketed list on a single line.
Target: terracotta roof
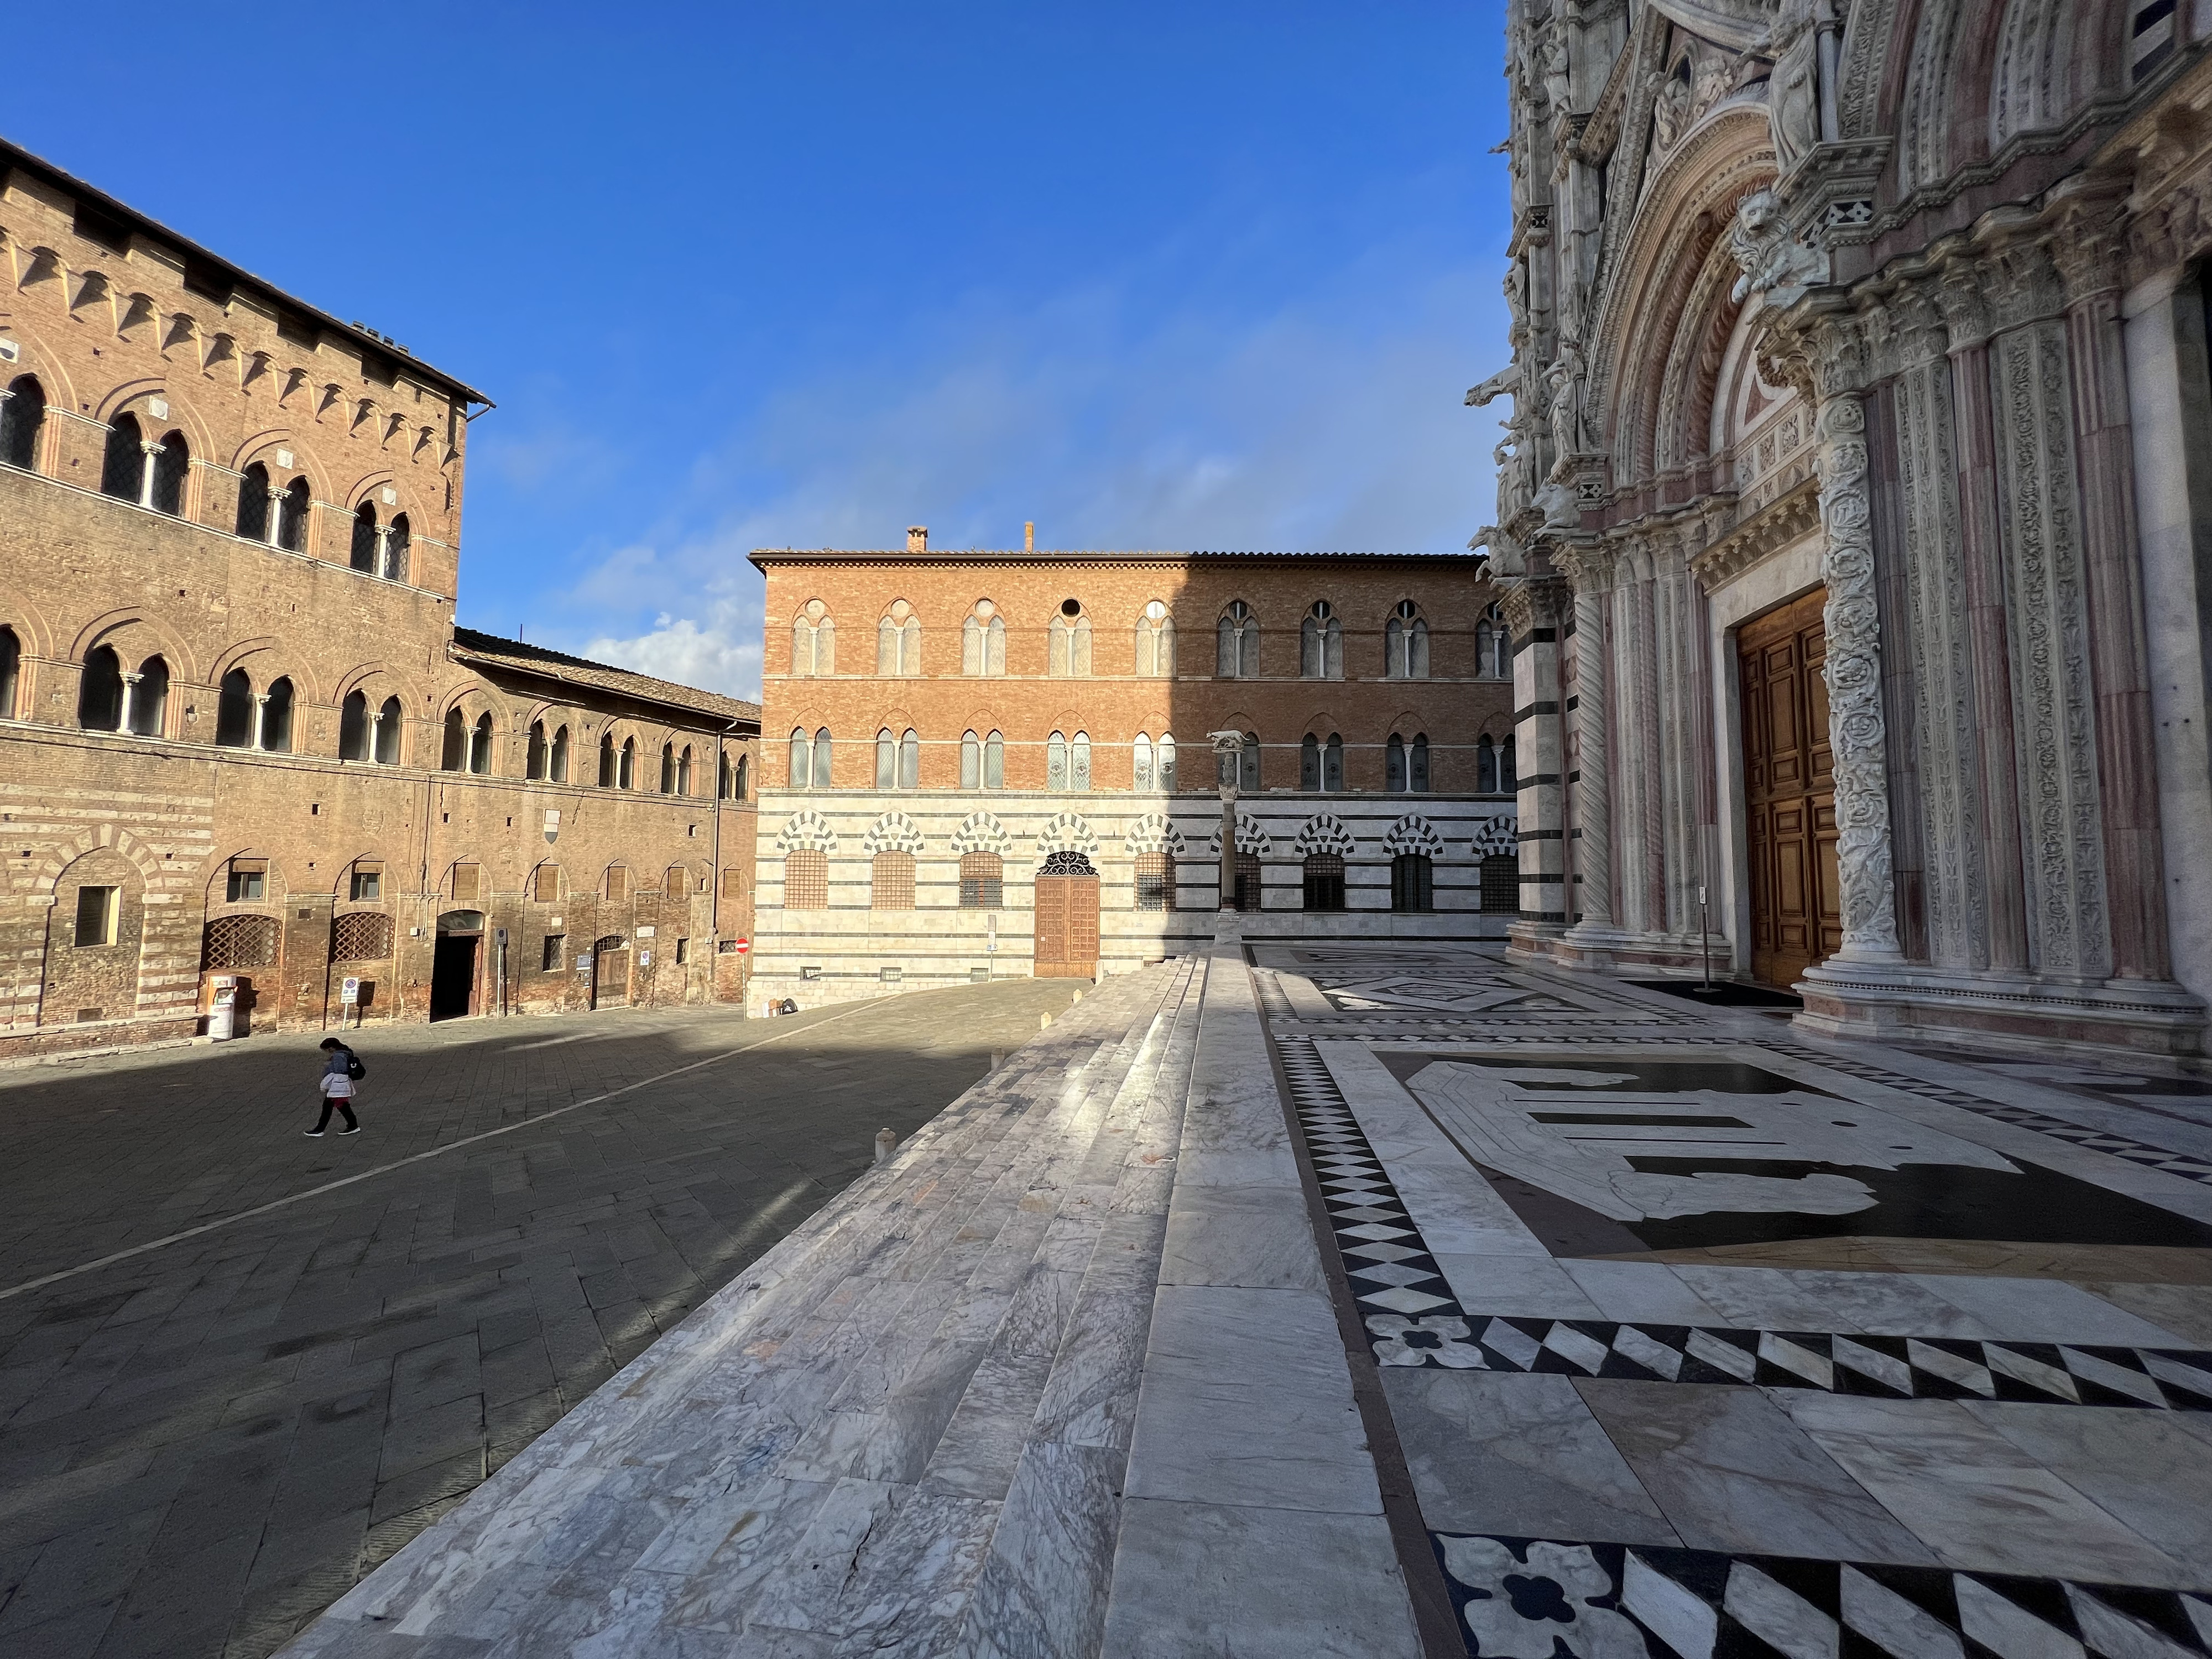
[(521, 657)]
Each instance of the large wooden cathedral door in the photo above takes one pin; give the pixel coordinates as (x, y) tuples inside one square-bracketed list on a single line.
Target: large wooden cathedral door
[(1790, 790)]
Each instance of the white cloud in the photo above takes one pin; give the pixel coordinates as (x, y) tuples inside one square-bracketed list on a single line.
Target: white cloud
[(720, 653)]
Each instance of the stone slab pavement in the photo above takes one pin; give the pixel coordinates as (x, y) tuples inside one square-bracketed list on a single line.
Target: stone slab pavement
[(205, 1442)]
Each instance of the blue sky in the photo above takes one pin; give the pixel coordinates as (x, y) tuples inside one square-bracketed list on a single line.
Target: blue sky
[(1210, 275)]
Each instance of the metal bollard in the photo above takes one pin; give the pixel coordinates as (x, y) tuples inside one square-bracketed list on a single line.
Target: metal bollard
[(886, 1144)]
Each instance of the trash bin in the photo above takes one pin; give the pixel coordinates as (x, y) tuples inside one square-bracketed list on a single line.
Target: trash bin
[(223, 1015)]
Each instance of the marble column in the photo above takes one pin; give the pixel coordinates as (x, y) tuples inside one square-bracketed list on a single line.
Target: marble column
[(1635, 751), (2089, 266), (1592, 799), (130, 700), (151, 453), (1532, 608), (274, 528), (260, 716)]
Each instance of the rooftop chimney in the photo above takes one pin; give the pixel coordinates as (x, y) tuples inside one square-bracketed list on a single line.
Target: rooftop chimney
[(1028, 539), (917, 539)]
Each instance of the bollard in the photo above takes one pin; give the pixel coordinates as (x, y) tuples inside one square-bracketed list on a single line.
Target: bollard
[(998, 1058), (886, 1144), (1043, 1020), (1077, 997)]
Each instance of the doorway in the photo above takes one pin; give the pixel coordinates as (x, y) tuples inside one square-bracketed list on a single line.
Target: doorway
[(1067, 919), (610, 972), (1789, 791), (453, 969)]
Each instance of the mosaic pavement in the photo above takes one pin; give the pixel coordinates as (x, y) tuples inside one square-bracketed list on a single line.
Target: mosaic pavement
[(1701, 1338)]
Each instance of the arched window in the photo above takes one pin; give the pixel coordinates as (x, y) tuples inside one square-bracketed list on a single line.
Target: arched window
[(1140, 762), (1310, 762), (1494, 645), (292, 517), (983, 881), (1320, 764), (22, 420), (1320, 643), (233, 710), (533, 753), (1393, 765), (146, 702), (11, 672), (387, 733), (276, 718), (741, 783), (626, 766), (1156, 881), (99, 691), (994, 762), (802, 759), (1236, 643), (253, 503), (364, 539), (683, 771), (721, 774), (676, 883), (1324, 882), (898, 641), (123, 466), (1070, 653), (171, 464), (667, 769), (1156, 642), (1508, 778), (891, 881), (557, 768), (452, 753), (608, 765), (822, 772), (1332, 764), (480, 745), (983, 641), (396, 549), (886, 760), (1416, 764), (806, 879), (353, 727), (1055, 761), (1406, 643), (1485, 766), (1079, 761), (971, 761), (1166, 755), (813, 640), (910, 772), (1412, 883)]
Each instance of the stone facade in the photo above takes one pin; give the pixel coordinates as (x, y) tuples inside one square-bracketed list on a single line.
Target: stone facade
[(235, 708), (1018, 705), (1863, 301)]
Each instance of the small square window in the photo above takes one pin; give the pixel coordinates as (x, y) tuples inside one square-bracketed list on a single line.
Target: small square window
[(96, 914), (978, 975), (893, 976), (367, 886), (549, 963), (683, 951), (810, 972), (245, 886)]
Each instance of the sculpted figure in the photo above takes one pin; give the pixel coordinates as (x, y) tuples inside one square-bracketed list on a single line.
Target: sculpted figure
[(1793, 95), (1561, 510), (1516, 302), (1671, 114), (1557, 87), (1773, 263)]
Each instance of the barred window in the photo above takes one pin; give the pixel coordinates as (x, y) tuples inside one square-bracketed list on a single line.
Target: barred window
[(892, 882), (1248, 881), (549, 954), (1156, 881), (361, 936), (1501, 884), (1324, 874), (1412, 883), (806, 879), (239, 942), (983, 881)]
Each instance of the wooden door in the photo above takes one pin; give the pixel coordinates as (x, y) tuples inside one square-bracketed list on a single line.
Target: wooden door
[(1066, 927), (1790, 792)]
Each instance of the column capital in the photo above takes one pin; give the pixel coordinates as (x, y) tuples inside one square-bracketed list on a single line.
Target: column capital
[(1588, 565), (132, 676), (1532, 603), (1964, 302)]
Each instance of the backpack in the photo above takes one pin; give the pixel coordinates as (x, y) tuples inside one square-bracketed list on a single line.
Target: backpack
[(354, 1069)]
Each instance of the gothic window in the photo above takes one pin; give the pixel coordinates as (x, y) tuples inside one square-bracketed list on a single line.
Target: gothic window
[(1156, 642), (1070, 642), (387, 733), (1079, 761), (534, 754), (1324, 882), (364, 539), (1501, 884), (617, 881), (123, 465), (983, 881), (1485, 766), (480, 745), (353, 727), (1320, 643), (802, 759), (971, 761), (1412, 883), (1406, 643), (147, 701), (667, 769), (253, 503), (898, 641), (886, 759), (813, 641), (677, 883), (276, 718), (1140, 762), (891, 885), (11, 672), (625, 765), (821, 773), (1494, 645), (557, 766), (545, 883), (983, 641), (1310, 762), (1508, 779), (292, 517), (994, 762), (1156, 881), (741, 780), (1055, 761), (1165, 756), (233, 710), (1236, 643), (453, 750), (99, 691), (806, 879), (1321, 763), (22, 419), (1393, 765), (171, 464), (1416, 764), (396, 549), (683, 771), (909, 761), (1332, 764), (608, 765)]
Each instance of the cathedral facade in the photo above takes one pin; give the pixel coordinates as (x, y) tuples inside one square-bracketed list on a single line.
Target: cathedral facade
[(1855, 509)]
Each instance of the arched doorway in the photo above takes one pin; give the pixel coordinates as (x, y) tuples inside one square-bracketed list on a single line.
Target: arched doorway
[(453, 970), (1789, 790), (610, 973), (1067, 919)]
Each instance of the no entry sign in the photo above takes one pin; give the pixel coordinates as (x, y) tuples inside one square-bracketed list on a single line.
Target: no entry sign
[(742, 945)]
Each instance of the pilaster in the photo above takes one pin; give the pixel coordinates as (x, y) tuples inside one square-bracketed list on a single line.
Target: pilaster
[(1533, 609)]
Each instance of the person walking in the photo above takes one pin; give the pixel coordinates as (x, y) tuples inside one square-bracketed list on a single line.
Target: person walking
[(341, 1066)]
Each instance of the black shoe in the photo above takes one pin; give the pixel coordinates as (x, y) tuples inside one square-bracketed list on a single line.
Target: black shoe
[(355, 1130), (315, 1135)]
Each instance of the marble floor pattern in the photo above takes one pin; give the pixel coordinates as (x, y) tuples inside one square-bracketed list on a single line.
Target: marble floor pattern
[(1699, 1338)]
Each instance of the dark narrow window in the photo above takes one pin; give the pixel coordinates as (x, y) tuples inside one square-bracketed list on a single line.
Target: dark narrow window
[(480, 745), (123, 467), (1485, 766), (99, 691), (1417, 765), (22, 418), (910, 761), (387, 733), (1393, 764), (1501, 884), (253, 503), (626, 772), (1248, 881), (170, 467), (397, 549), (560, 767), (606, 760), (1310, 762), (453, 751), (1509, 781), (292, 517), (1325, 882), (353, 727), (1411, 881), (740, 789), (683, 771), (1247, 765), (533, 756), (149, 698), (276, 718), (994, 762), (11, 672), (667, 769), (233, 710), (822, 773), (1332, 764), (364, 539)]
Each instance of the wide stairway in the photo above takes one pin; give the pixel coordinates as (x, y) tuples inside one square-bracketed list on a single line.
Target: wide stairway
[(905, 1429)]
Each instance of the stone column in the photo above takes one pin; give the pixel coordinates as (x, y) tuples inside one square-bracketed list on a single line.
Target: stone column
[(273, 527), (1592, 830), (130, 699), (151, 453), (1532, 608), (1856, 737), (2089, 266), (1633, 729), (1981, 559), (260, 715), (375, 724), (382, 566)]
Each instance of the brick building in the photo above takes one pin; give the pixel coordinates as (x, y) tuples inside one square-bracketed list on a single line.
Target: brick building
[(239, 730), (982, 763)]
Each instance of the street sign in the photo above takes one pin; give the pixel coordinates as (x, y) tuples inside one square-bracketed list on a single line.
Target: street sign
[(350, 990), (741, 945)]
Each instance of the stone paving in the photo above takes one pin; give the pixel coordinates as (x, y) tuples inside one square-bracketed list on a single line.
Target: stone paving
[(204, 1444)]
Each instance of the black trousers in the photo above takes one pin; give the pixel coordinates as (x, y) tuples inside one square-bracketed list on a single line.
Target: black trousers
[(343, 1105)]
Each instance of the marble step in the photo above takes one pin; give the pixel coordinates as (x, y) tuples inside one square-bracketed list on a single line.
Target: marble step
[(866, 1441)]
